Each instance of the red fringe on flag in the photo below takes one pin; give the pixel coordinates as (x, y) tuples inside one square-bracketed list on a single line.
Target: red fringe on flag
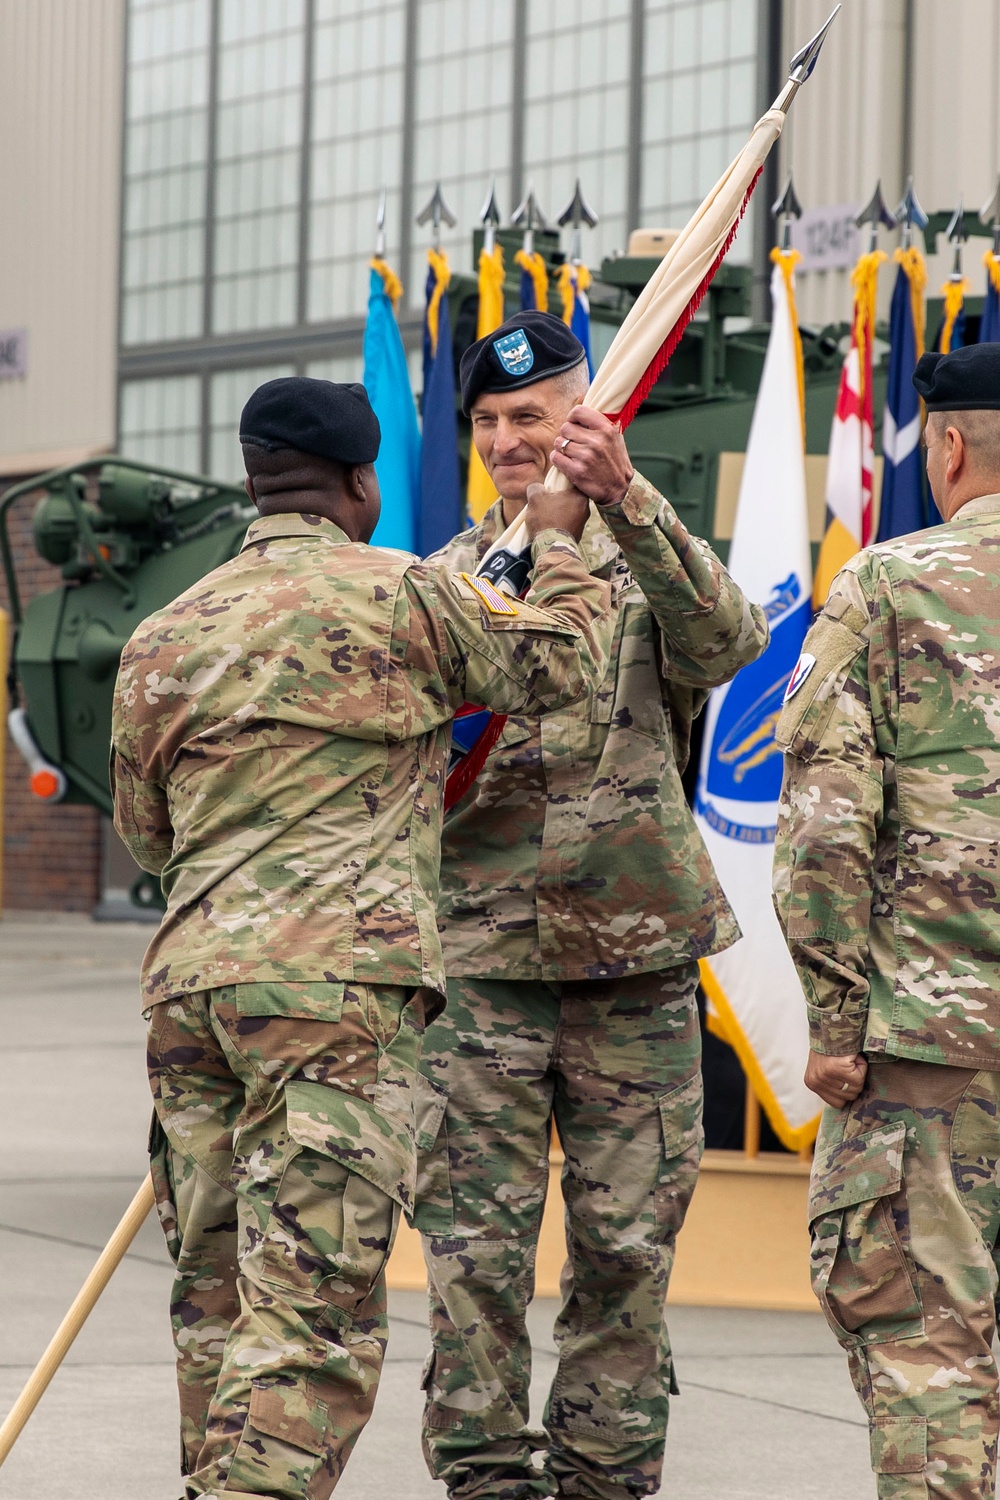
[(465, 773), (666, 349)]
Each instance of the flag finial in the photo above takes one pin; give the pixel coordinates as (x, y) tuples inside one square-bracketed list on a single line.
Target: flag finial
[(489, 216), (787, 208), (380, 226), (577, 211), (990, 214), (875, 212), (957, 234), (909, 214), (802, 64), (437, 211), (530, 216)]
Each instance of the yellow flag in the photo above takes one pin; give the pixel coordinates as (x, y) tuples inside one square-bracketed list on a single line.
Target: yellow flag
[(482, 491)]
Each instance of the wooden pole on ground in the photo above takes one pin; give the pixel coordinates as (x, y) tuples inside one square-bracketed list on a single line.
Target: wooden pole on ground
[(83, 1306), (751, 1123)]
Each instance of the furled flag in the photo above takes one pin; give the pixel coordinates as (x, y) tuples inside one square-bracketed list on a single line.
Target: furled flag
[(989, 323), (851, 461), (387, 381), (534, 280), (482, 491), (903, 508), (440, 490), (573, 280), (753, 987)]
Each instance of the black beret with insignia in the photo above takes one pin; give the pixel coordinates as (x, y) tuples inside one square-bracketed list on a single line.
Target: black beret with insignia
[(312, 416), (967, 379), (529, 347)]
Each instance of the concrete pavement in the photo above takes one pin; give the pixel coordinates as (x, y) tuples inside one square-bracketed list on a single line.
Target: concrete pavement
[(766, 1411)]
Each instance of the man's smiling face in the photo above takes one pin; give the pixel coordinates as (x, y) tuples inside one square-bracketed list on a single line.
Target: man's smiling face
[(514, 432)]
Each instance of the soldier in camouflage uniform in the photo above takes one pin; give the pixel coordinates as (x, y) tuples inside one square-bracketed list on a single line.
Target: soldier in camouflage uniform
[(887, 884), (280, 738), (576, 899)]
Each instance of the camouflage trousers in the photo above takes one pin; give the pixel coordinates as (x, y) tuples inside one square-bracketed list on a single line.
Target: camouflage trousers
[(282, 1150), (616, 1063), (905, 1222)]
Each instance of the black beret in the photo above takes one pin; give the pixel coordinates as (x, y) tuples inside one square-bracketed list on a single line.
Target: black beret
[(968, 379), (529, 347), (312, 416)]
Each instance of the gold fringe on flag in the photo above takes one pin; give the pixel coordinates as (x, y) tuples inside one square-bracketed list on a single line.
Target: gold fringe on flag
[(438, 261), (992, 264), (915, 269), (786, 261), (864, 279), (481, 491), (569, 285), (954, 299), (535, 267), (390, 281)]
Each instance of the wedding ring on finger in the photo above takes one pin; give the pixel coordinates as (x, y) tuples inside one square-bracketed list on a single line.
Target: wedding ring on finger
[(564, 444), (845, 1088)]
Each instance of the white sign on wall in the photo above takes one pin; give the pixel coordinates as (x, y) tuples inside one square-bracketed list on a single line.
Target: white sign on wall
[(13, 352), (827, 238)]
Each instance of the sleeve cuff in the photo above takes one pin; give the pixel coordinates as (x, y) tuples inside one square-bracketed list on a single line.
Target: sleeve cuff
[(551, 537), (639, 506), (835, 1034)]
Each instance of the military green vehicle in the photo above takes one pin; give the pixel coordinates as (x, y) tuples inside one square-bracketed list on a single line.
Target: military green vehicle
[(127, 537)]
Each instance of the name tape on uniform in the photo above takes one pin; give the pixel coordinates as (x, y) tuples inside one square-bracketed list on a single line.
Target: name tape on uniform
[(494, 601)]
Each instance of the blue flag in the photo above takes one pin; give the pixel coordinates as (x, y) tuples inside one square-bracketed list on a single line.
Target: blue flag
[(387, 381), (440, 493), (989, 323), (903, 507), (579, 323)]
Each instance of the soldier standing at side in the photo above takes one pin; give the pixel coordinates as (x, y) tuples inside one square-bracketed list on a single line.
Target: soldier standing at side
[(281, 732), (576, 898), (887, 884)]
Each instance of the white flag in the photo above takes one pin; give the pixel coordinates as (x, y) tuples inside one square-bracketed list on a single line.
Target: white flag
[(753, 986)]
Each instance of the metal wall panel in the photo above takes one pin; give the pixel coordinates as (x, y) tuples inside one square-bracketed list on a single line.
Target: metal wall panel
[(60, 168)]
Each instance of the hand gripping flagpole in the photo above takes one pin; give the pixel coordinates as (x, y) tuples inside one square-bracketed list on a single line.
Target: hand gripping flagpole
[(83, 1305), (652, 330)]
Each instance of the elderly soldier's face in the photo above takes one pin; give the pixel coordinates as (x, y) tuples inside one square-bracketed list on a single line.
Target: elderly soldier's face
[(515, 431)]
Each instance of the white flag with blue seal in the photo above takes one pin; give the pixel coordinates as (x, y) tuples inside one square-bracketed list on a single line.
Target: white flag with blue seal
[(753, 987)]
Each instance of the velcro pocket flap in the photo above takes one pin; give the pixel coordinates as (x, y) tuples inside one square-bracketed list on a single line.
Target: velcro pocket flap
[(858, 1170), (680, 1116), (836, 645), (291, 1415), (377, 1146)]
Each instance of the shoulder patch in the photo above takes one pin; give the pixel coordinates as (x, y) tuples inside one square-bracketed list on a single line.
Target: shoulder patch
[(800, 672), (494, 601)]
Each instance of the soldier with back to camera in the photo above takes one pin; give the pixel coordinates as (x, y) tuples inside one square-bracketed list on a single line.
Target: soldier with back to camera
[(887, 884), (280, 738), (576, 899)]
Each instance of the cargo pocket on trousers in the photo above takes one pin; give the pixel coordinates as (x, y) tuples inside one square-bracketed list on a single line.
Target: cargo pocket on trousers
[(683, 1139), (899, 1445), (861, 1272), (433, 1208), (336, 1210), (287, 1437)]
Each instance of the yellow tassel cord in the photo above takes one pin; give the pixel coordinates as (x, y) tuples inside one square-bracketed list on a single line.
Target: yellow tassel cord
[(787, 260), (794, 1138), (491, 275), (569, 284), (442, 275), (954, 299), (390, 281), (864, 279), (992, 264), (915, 267), (481, 491), (535, 267)]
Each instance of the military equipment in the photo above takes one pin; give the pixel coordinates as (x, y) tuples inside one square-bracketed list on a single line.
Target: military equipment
[(127, 537)]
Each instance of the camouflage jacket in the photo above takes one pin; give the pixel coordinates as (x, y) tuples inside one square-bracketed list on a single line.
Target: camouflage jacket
[(575, 855), (887, 859), (280, 738)]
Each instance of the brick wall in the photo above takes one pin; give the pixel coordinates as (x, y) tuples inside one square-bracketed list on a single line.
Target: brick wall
[(51, 855)]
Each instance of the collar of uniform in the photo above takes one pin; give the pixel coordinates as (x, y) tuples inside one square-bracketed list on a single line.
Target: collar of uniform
[(293, 523), (983, 505), (597, 545)]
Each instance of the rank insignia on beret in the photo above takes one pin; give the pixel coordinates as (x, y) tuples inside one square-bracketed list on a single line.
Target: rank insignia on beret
[(494, 601), (514, 352), (803, 667)]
